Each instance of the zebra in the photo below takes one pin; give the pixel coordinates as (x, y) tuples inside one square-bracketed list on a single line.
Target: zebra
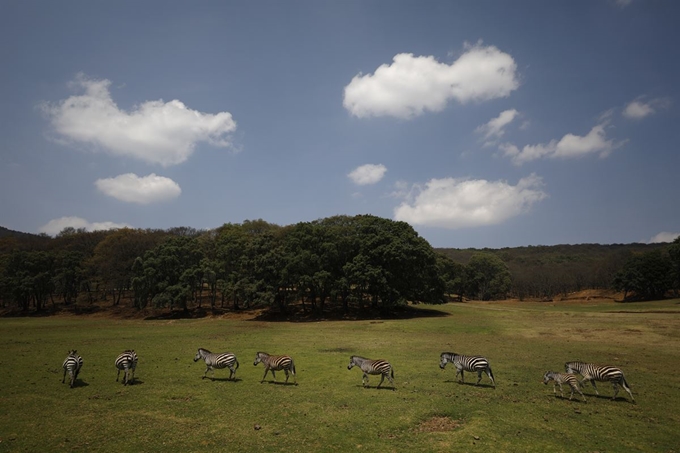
[(559, 379), (467, 363), (127, 361), (368, 366), (275, 363), (217, 360), (72, 364), (592, 373)]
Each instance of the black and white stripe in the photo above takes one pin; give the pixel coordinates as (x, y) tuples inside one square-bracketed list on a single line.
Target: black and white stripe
[(592, 373), (127, 362), (218, 360), (368, 366), (474, 364), (72, 364), (559, 379), (276, 363)]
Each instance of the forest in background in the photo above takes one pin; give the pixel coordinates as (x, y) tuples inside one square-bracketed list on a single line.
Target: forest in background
[(344, 264)]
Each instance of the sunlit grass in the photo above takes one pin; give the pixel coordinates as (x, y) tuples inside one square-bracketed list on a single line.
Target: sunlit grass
[(170, 408)]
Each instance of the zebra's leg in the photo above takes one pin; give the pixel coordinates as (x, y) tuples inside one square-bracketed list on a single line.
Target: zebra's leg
[(488, 373), (364, 379), (231, 372), (118, 375), (382, 378), (266, 370), (592, 381), (479, 377), (616, 390), (579, 390), (206, 372), (462, 376), (273, 374), (389, 378), (627, 389), (561, 392), (64, 378), (286, 372)]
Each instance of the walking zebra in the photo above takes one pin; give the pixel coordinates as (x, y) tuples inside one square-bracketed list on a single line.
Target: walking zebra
[(275, 363), (127, 362), (217, 360), (368, 366), (559, 379), (592, 373), (72, 364), (464, 363)]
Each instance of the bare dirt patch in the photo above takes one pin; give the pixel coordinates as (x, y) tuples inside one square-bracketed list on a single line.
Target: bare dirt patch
[(438, 424)]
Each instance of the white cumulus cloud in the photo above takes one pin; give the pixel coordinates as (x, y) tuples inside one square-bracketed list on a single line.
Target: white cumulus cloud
[(158, 132), (569, 146), (495, 129), (638, 109), (367, 174), (55, 226), (664, 236), (142, 190), (464, 203), (413, 84)]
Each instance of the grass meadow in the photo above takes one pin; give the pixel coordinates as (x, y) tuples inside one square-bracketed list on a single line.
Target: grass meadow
[(170, 408)]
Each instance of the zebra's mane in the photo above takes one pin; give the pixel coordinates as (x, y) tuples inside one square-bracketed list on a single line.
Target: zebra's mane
[(204, 350)]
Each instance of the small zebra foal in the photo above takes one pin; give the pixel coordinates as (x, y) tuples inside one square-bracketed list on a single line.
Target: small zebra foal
[(275, 363), (559, 379), (592, 373), (127, 361), (72, 364), (368, 366), (464, 363), (217, 360)]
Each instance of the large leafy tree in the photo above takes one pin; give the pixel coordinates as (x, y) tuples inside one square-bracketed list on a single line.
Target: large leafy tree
[(488, 277), (648, 275)]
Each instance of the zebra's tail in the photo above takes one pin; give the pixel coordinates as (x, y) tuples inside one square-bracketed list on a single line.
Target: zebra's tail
[(236, 360), (392, 372), (493, 378)]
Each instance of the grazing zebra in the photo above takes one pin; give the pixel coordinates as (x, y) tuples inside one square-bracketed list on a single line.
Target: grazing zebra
[(464, 363), (368, 366), (217, 360), (275, 363), (127, 362), (72, 364), (592, 373), (559, 379)]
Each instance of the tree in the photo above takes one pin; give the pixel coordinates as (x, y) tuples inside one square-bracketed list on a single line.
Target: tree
[(649, 275), (674, 254), (489, 277)]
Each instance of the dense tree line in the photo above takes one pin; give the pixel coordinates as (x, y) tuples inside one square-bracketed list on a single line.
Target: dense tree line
[(343, 263)]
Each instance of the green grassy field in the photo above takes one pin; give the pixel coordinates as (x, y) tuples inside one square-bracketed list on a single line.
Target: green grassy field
[(171, 409)]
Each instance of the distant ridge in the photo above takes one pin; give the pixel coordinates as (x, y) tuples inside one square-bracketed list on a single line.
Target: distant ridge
[(6, 232)]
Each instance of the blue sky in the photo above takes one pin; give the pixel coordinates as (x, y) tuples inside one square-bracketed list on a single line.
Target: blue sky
[(482, 124)]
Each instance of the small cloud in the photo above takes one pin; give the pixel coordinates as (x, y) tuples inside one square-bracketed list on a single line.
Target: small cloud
[(663, 237), (412, 84), (55, 226), (367, 174), (142, 190), (158, 132), (467, 203), (638, 109), (494, 129), (569, 146)]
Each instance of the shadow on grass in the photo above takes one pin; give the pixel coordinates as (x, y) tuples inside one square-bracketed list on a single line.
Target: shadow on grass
[(79, 383), (470, 384), (224, 379), (375, 387), (287, 384), (134, 382), (296, 313), (619, 399)]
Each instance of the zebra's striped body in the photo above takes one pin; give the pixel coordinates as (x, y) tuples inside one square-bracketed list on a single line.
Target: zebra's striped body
[(474, 364), (368, 366), (592, 373), (559, 379), (217, 361), (72, 364), (127, 362), (276, 363)]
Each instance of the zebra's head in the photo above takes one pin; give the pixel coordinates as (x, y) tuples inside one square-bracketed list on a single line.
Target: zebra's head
[(548, 376), (72, 352), (445, 358), (259, 357), (199, 354), (351, 362)]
